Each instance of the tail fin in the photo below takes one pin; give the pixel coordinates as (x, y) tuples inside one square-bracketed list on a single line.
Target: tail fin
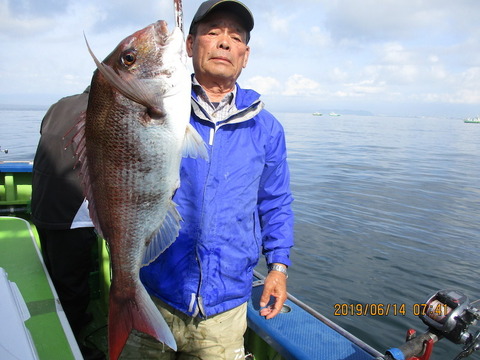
[(139, 313)]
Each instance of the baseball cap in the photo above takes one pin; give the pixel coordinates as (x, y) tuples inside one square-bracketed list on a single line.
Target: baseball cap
[(233, 6)]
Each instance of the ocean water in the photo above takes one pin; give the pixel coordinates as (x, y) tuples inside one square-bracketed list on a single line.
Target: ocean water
[(387, 212), (19, 131)]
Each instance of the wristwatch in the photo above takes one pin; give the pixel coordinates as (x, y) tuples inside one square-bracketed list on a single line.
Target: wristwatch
[(276, 267)]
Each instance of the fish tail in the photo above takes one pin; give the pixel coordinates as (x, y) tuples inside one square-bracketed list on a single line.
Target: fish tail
[(139, 313)]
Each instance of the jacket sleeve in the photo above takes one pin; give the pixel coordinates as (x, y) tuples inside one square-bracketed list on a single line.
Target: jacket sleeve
[(56, 187), (274, 200)]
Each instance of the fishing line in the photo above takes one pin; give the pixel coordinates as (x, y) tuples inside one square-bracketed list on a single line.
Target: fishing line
[(178, 13)]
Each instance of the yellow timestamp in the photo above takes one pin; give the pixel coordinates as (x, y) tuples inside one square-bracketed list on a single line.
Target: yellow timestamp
[(369, 309), (433, 310)]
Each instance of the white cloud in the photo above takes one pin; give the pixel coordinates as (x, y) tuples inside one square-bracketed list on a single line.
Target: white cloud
[(438, 72), (295, 85), (365, 87), (299, 85), (395, 53), (11, 25), (264, 85), (319, 37), (279, 23), (338, 75)]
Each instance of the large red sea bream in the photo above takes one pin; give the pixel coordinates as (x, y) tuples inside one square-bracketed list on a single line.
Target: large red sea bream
[(130, 143)]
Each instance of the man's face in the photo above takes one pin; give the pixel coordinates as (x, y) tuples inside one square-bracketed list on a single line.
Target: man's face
[(219, 48)]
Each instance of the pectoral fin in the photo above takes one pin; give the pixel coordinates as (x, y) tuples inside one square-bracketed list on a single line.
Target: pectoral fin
[(165, 236), (193, 144)]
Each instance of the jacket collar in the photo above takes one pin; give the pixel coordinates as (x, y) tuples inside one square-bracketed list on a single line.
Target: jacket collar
[(247, 103)]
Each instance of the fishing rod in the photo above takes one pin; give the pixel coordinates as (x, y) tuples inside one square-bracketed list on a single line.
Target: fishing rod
[(448, 314)]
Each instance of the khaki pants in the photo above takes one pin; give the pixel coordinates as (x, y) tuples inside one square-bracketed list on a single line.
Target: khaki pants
[(219, 337)]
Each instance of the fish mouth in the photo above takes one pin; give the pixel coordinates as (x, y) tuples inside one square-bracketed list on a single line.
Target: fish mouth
[(162, 34), (160, 30), (173, 41)]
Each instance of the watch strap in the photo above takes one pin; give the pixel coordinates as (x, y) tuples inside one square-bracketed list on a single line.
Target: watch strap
[(277, 267)]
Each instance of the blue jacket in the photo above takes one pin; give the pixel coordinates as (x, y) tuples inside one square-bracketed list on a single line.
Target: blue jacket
[(233, 206)]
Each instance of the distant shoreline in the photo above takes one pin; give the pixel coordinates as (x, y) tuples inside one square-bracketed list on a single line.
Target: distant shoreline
[(21, 107)]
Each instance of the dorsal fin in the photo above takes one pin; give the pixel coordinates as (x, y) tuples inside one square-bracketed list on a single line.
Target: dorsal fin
[(75, 137)]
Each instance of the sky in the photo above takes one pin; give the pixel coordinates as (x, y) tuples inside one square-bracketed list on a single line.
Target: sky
[(384, 57)]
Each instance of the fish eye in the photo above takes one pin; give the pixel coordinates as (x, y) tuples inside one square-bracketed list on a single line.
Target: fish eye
[(129, 58)]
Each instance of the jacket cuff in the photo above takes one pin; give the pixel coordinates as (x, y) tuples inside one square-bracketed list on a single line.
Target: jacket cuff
[(281, 256)]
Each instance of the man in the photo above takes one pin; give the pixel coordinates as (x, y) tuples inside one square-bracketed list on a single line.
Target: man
[(232, 205), (61, 215)]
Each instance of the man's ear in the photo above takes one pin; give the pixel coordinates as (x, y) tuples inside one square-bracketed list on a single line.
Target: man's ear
[(189, 45), (247, 54)]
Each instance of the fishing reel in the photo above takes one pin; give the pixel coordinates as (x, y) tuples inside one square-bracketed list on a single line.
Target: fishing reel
[(448, 314)]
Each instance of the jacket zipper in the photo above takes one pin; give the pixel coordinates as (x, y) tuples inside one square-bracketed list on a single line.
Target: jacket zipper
[(212, 135), (198, 307), (196, 304)]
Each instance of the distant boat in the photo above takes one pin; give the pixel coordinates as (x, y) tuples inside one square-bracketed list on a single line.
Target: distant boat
[(334, 114), (475, 120), (317, 114)]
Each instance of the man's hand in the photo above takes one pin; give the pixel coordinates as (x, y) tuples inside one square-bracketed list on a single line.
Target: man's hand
[(276, 286)]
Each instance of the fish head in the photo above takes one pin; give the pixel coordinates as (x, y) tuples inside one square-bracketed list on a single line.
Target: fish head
[(149, 53), (148, 68)]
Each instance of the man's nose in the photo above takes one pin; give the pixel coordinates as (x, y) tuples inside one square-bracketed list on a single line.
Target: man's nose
[(224, 43)]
